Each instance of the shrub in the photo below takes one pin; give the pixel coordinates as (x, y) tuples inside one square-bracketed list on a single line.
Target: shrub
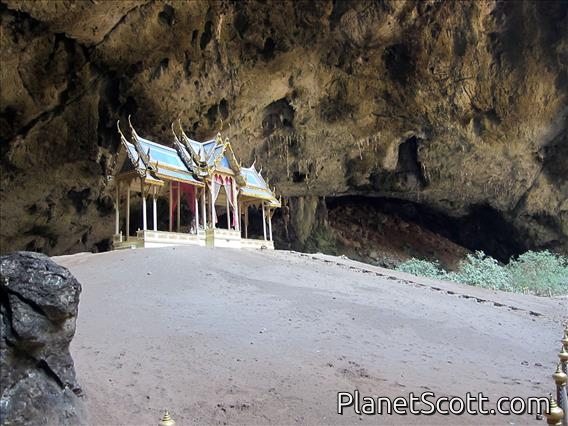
[(541, 273), (481, 270), (422, 268)]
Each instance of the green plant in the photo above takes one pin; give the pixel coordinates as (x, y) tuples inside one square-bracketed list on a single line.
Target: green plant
[(423, 268), (541, 273), (481, 270)]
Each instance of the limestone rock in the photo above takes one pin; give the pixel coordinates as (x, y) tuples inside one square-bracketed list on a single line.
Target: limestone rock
[(460, 107), (39, 302)]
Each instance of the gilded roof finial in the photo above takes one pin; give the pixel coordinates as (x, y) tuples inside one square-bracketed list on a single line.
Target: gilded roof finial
[(123, 139), (167, 420), (174, 132), (132, 127)]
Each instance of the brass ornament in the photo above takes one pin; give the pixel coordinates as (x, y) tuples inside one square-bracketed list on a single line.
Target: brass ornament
[(564, 340), (168, 421), (563, 354), (559, 376), (555, 414)]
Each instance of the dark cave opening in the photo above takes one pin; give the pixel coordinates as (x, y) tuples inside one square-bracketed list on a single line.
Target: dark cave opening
[(103, 245), (483, 228), (207, 35), (166, 16), (298, 177), (160, 69), (399, 62), (278, 115), (241, 24), (267, 51), (408, 175), (211, 115), (408, 157), (79, 199), (408, 163), (224, 109)]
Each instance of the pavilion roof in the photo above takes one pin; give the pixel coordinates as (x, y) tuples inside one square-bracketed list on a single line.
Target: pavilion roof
[(192, 161), (167, 163), (157, 162), (256, 186), (214, 155)]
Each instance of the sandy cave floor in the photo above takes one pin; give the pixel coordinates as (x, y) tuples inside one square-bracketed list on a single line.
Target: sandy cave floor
[(221, 336)]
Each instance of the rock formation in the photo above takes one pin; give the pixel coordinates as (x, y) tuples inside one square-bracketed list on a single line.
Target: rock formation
[(38, 309), (457, 107)]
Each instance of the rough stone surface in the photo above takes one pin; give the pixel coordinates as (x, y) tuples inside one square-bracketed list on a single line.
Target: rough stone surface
[(460, 107), (38, 308)]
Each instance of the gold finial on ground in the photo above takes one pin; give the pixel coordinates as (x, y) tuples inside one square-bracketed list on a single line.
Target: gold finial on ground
[(564, 340), (167, 420), (563, 355), (555, 413), (559, 376)]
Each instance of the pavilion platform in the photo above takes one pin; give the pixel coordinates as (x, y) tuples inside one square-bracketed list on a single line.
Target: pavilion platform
[(208, 238)]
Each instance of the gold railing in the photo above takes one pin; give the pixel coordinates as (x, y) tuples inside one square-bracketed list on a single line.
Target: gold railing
[(557, 414)]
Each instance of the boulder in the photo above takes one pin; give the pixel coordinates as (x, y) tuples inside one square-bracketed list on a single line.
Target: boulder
[(38, 308)]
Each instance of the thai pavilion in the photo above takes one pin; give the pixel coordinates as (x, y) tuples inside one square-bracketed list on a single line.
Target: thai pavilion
[(203, 180)]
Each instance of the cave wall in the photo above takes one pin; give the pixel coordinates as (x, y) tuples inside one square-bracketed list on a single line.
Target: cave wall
[(454, 105)]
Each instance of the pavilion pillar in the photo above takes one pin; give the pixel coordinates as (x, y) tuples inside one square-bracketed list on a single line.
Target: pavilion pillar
[(213, 224), (171, 201), (269, 224), (236, 207), (154, 211), (203, 210), (196, 209), (144, 219), (246, 221), (263, 221), (178, 207), (228, 208), (117, 209), (127, 231), (238, 215)]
